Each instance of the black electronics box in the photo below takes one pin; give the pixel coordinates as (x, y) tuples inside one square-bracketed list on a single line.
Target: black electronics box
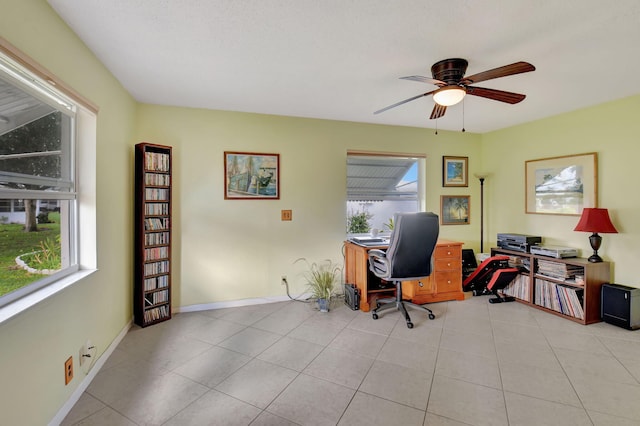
[(469, 262), (621, 306), (352, 296)]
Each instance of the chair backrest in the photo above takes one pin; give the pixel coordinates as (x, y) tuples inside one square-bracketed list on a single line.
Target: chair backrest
[(469, 259), (412, 244)]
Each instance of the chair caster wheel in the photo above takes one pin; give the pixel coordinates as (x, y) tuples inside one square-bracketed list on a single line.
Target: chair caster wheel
[(432, 317), (475, 293), (375, 316), (377, 305), (409, 325)]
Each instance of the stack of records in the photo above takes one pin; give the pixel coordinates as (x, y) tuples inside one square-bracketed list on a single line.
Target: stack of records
[(521, 263), (560, 298), (558, 270)]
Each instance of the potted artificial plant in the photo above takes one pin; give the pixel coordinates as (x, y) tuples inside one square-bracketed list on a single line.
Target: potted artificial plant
[(321, 281)]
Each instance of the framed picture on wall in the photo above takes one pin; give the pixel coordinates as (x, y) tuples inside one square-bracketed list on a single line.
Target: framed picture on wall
[(455, 171), (561, 185), (454, 210), (251, 176)]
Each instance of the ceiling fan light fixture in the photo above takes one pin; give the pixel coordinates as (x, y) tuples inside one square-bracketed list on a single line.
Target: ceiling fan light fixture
[(449, 95)]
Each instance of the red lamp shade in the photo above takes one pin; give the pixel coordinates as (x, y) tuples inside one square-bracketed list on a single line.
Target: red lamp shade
[(596, 220)]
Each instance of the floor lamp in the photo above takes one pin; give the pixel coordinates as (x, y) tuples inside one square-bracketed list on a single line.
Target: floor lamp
[(482, 177)]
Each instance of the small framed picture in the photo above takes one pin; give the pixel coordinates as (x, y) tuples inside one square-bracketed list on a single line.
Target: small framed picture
[(455, 171), (454, 210), (251, 176)]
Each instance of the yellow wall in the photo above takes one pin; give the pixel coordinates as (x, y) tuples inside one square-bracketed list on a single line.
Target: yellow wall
[(229, 250), (238, 249), (35, 344), (609, 129)]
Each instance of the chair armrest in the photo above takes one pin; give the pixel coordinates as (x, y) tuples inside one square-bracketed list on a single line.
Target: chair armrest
[(378, 263), (377, 253)]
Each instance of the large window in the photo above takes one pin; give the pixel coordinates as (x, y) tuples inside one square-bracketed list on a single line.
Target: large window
[(379, 186), (38, 184)]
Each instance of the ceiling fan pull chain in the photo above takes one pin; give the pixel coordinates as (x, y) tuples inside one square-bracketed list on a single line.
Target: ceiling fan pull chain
[(463, 116), (436, 126)]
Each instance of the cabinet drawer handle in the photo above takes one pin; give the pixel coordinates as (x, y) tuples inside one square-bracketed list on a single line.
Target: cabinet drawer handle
[(448, 252), (448, 264), (448, 281), (420, 284)]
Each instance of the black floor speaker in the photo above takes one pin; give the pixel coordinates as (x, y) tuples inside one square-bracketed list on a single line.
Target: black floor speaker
[(621, 306)]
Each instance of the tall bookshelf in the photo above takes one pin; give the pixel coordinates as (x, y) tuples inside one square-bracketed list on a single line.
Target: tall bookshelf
[(152, 281), (569, 288)]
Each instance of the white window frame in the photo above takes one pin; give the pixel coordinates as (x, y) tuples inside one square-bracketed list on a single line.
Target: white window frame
[(420, 197), (83, 157)]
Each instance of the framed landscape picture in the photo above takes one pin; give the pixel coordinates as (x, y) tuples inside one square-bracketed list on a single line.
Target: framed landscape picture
[(455, 171), (251, 176), (561, 185), (454, 210)]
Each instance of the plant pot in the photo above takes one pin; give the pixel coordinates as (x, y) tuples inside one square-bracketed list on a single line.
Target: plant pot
[(323, 305)]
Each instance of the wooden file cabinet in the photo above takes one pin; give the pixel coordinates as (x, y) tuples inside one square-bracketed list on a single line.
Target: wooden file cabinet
[(445, 283)]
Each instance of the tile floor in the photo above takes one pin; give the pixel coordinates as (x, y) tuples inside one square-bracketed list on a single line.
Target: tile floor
[(287, 364)]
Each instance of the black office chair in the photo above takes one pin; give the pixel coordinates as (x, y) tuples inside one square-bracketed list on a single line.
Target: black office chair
[(409, 257), (469, 262)]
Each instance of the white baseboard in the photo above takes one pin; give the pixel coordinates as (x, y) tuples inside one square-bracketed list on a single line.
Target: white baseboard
[(236, 303), (75, 396)]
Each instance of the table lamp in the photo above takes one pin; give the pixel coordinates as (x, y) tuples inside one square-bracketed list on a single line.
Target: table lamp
[(595, 221)]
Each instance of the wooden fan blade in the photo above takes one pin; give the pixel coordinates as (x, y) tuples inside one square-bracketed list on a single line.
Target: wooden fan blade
[(515, 68), (438, 111), (423, 79), (402, 102), (496, 95)]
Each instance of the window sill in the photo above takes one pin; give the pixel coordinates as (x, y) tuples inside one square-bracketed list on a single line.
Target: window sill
[(11, 310)]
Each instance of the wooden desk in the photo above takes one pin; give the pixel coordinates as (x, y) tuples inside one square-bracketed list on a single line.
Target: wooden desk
[(445, 282)]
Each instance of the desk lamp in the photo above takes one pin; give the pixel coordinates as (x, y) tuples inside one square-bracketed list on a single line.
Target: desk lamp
[(595, 221)]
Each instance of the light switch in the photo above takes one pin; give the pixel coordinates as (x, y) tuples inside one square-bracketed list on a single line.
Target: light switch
[(286, 215)]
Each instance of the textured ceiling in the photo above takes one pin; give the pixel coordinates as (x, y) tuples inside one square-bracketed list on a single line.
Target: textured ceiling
[(342, 59)]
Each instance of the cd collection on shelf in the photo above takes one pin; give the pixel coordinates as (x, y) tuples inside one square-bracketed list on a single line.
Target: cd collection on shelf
[(152, 296), (157, 161)]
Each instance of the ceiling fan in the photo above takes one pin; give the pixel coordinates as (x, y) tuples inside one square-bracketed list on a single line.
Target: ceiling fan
[(448, 75)]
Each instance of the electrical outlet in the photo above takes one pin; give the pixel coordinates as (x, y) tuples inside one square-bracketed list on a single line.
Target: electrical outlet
[(68, 370), (283, 281)]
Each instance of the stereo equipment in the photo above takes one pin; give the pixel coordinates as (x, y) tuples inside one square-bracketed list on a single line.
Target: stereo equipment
[(352, 296), (554, 251), (518, 242), (621, 306)]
